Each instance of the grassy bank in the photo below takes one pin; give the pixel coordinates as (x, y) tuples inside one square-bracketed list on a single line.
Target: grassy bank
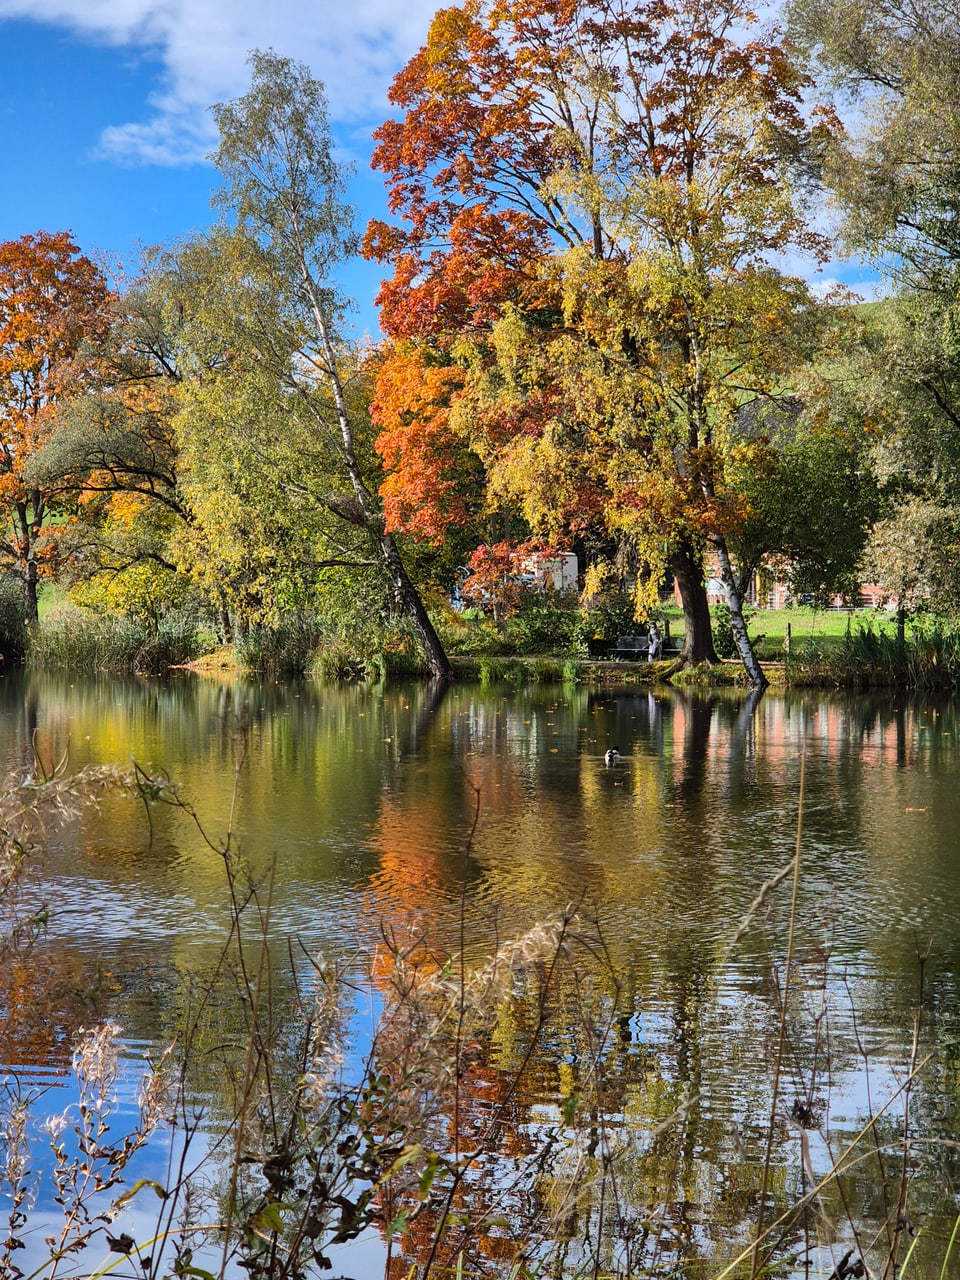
[(798, 646)]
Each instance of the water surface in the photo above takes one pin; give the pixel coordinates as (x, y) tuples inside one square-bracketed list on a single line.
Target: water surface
[(472, 814)]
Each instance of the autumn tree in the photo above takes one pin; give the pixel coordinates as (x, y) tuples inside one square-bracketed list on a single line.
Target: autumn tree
[(53, 314), (162, 514), (588, 200), (286, 231), (113, 464)]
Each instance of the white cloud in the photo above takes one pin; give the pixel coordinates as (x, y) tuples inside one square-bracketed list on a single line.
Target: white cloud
[(203, 45)]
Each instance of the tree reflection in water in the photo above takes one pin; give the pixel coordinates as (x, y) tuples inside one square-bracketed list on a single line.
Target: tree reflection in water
[(623, 1115)]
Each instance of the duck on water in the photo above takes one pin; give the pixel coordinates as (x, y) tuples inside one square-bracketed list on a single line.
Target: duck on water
[(611, 757)]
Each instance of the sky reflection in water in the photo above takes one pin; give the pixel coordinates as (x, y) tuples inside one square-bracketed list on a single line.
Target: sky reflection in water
[(413, 806)]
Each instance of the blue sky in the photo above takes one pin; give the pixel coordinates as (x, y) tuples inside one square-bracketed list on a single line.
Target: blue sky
[(104, 109)]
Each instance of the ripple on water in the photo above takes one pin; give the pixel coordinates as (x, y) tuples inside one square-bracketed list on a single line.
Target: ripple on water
[(94, 914)]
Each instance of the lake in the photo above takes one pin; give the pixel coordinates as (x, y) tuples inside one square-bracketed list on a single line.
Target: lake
[(464, 818)]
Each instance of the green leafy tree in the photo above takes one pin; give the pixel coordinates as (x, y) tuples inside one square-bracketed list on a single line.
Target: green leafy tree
[(267, 304), (896, 171), (908, 387), (896, 179), (811, 494)]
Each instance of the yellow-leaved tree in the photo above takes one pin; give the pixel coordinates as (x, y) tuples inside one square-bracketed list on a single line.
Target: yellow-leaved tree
[(591, 199)]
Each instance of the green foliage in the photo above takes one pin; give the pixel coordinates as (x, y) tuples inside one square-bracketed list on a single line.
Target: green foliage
[(873, 657), (894, 173), (896, 180), (281, 649), (706, 675), (335, 660), (396, 662), (544, 670), (13, 621), (909, 387), (572, 670), (310, 644), (541, 626), (724, 640), (502, 671), (551, 625), (469, 632), (811, 505), (913, 552), (603, 620)]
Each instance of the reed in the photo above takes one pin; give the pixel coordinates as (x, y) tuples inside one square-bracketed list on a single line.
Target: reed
[(928, 659), (284, 649), (13, 624), (70, 638)]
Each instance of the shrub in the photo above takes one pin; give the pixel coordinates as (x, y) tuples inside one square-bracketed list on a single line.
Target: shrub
[(604, 621), (724, 640), (13, 621), (283, 649), (541, 626), (467, 632)]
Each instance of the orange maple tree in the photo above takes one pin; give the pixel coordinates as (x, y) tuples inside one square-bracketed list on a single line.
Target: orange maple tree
[(607, 182), (430, 471), (54, 312)]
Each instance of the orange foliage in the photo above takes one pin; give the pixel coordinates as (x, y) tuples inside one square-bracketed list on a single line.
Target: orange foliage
[(498, 103), (53, 304), (582, 191), (53, 314), (427, 490)]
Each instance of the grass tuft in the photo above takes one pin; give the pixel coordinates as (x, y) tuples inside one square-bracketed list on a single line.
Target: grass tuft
[(70, 638)]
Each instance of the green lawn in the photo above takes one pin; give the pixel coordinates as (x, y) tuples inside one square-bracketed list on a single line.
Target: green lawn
[(823, 625), (828, 625), (49, 596)]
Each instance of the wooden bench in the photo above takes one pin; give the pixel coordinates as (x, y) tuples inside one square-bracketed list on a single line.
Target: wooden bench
[(632, 648)]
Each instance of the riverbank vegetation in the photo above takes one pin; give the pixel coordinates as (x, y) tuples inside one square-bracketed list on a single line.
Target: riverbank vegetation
[(590, 348), (544, 641), (476, 1124)]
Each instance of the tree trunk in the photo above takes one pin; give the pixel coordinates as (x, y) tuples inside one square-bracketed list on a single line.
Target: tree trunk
[(413, 606), (28, 582), (738, 624), (26, 558), (226, 622), (372, 516), (698, 640)]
